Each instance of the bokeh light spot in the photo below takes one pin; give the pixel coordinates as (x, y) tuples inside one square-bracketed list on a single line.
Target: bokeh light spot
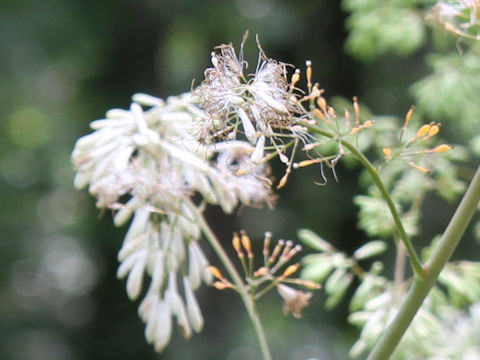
[(19, 168), (254, 9), (29, 127)]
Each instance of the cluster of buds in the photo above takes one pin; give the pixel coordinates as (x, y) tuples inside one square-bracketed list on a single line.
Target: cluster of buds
[(410, 147), (322, 115), (275, 272)]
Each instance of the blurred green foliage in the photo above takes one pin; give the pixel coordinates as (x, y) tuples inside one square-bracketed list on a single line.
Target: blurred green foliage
[(65, 62)]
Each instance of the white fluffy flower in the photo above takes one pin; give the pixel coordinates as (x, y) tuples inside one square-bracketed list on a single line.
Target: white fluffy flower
[(147, 165)]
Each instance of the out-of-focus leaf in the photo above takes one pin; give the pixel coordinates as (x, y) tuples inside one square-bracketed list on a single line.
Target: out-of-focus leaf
[(377, 27), (337, 289), (370, 249), (317, 270), (312, 240)]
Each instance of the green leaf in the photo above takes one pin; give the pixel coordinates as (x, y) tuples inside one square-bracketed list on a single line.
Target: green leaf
[(370, 249), (312, 240), (317, 270), (338, 289)]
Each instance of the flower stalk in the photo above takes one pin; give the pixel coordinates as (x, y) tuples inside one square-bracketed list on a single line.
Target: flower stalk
[(414, 260), (240, 286), (421, 287)]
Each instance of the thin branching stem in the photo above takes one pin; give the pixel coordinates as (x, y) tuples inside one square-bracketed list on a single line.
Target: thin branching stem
[(421, 287), (240, 285), (414, 260)]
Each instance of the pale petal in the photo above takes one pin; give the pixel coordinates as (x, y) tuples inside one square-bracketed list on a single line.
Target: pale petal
[(163, 328), (193, 310), (129, 262), (135, 278)]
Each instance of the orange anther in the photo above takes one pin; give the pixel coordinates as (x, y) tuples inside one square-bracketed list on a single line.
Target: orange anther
[(441, 148), (419, 168), (387, 152), (215, 272), (290, 270)]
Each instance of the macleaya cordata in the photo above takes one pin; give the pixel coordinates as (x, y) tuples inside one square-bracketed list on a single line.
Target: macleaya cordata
[(147, 164)]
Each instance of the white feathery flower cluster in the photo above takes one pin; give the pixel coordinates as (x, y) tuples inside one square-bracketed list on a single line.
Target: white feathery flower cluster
[(257, 106), (458, 337), (438, 332), (461, 17), (147, 165)]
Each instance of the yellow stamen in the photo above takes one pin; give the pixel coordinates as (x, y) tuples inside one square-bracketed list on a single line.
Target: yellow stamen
[(215, 272), (368, 123), (305, 163), (260, 272), (283, 180), (316, 92), (266, 244), (290, 270), (318, 114), (440, 148), (434, 129), (347, 117), (356, 107), (355, 130), (322, 103), (387, 152), (295, 78), (237, 245), (247, 244), (309, 73), (240, 172), (419, 168), (276, 251), (424, 130), (220, 285), (407, 117), (311, 146), (310, 284)]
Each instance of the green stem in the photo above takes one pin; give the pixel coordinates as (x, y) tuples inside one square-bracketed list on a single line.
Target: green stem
[(414, 260), (421, 287), (239, 283)]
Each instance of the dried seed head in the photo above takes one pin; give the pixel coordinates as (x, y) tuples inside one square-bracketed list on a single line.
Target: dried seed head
[(294, 300)]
